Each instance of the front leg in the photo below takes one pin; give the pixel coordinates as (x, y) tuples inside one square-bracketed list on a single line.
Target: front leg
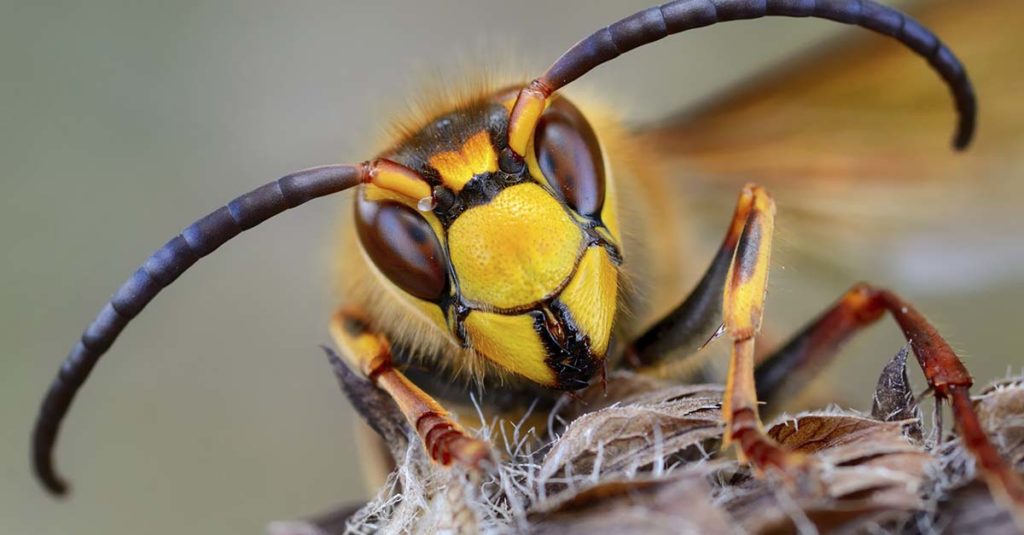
[(730, 294), (743, 296), (368, 351)]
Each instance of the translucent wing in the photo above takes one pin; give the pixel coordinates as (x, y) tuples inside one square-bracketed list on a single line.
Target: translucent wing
[(853, 141)]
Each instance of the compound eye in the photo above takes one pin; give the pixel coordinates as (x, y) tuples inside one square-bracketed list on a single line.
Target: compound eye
[(403, 246), (570, 157)]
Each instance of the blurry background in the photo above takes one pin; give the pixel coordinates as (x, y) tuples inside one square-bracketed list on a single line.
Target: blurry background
[(121, 122)]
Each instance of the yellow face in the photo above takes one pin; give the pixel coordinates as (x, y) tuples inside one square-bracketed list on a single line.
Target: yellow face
[(517, 260)]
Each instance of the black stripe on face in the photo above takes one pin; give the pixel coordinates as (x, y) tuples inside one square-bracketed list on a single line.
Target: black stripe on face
[(448, 133), (478, 191), (569, 354)]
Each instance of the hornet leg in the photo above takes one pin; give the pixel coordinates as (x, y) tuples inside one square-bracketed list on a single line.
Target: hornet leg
[(861, 306), (693, 321), (730, 294), (443, 438)]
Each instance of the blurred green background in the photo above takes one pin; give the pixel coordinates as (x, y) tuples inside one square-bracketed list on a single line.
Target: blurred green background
[(121, 122)]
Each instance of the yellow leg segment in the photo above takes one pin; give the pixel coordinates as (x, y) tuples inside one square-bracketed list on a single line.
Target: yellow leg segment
[(742, 310), (443, 438)]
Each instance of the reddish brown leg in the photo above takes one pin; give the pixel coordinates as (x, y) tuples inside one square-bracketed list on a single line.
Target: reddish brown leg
[(947, 377), (809, 350), (443, 438)]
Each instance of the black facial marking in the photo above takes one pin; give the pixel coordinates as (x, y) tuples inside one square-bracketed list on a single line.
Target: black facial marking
[(570, 357), (457, 313), (510, 163), (444, 197), (449, 132)]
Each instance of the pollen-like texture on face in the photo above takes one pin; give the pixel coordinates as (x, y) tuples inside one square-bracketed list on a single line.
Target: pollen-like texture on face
[(514, 251)]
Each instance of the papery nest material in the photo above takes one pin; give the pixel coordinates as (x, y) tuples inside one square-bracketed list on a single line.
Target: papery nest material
[(643, 458)]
